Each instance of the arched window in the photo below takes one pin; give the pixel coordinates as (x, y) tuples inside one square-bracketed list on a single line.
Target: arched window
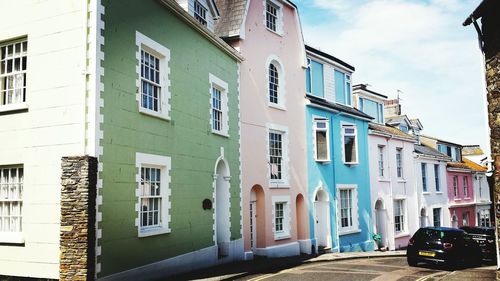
[(273, 84)]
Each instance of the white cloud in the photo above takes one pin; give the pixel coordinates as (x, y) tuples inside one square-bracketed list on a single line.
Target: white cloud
[(418, 47)]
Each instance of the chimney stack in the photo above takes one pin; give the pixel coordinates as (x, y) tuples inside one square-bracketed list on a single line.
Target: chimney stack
[(392, 107)]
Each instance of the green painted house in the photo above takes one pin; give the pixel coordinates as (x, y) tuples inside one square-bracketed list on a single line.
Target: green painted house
[(169, 188)]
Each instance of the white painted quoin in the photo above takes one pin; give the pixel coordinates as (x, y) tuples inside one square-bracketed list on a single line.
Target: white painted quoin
[(49, 124)]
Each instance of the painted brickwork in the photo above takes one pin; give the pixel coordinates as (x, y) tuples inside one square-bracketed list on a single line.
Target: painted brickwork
[(77, 234), (186, 138)]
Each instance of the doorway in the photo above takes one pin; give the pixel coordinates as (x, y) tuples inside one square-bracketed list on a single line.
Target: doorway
[(322, 226)]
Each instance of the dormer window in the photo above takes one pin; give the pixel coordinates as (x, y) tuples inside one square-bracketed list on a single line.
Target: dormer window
[(200, 13)]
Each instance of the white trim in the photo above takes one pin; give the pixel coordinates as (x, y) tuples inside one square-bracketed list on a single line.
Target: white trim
[(163, 53), (164, 163), (317, 119), (220, 84), (13, 106), (342, 135), (284, 181), (276, 61), (286, 233), (279, 19), (11, 237), (354, 209)]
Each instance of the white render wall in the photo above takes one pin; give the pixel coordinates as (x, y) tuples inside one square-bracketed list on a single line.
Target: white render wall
[(432, 199), (52, 127), (391, 187)]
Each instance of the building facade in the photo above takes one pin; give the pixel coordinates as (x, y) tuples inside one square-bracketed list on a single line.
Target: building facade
[(161, 119), (460, 193), (482, 198), (338, 168), (274, 179)]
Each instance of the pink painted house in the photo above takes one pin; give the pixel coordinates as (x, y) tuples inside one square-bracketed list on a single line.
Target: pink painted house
[(273, 143), (461, 195)]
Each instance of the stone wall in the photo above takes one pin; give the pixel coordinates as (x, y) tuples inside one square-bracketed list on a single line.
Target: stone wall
[(77, 233), (493, 89)]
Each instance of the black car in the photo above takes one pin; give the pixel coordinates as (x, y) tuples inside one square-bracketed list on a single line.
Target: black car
[(485, 237), (451, 247)]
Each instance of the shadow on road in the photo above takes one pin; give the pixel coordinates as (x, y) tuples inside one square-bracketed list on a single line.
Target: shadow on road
[(236, 270)]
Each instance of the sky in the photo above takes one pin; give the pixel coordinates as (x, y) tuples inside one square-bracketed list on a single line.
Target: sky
[(418, 47)]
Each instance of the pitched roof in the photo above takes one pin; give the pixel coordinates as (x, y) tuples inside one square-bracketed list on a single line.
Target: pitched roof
[(474, 166), (472, 150), (397, 119), (330, 57), (390, 130), (458, 165), (440, 140), (338, 107), (365, 88), (425, 150), (232, 13)]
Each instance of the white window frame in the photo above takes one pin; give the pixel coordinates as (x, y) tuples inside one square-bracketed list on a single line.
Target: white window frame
[(164, 164), (466, 218), (466, 186), (345, 126), (315, 143), (14, 104), (423, 170), (381, 168), (285, 233), (437, 178), (202, 19), (9, 184), (354, 227), (440, 217), (163, 54), (456, 193), (279, 16), (348, 86), (276, 61), (399, 163), (284, 181), (400, 204), (222, 86)]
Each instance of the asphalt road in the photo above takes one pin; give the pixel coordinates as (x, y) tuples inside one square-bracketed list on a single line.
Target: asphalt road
[(375, 269)]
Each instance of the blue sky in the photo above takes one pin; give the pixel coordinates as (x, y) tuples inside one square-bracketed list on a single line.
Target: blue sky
[(417, 47)]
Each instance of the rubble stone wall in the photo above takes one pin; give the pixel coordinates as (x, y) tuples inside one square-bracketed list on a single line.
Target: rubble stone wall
[(77, 233)]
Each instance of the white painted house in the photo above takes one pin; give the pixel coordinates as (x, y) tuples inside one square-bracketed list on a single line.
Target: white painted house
[(393, 192), (44, 97)]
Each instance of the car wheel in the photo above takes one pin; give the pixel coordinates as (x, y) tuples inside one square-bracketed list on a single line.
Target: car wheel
[(411, 261)]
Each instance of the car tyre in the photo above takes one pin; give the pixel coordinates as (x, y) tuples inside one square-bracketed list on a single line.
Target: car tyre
[(411, 261)]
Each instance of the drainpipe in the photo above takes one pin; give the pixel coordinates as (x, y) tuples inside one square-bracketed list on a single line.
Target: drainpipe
[(391, 198)]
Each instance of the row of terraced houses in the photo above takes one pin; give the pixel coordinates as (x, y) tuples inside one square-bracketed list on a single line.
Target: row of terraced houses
[(147, 138)]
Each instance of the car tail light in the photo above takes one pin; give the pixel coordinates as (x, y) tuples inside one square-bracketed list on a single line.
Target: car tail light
[(447, 245), (411, 242)]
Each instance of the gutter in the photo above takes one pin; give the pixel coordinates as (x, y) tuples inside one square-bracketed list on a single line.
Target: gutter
[(336, 111), (210, 36)]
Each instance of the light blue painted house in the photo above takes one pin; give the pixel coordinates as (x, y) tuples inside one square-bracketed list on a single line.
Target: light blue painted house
[(337, 144)]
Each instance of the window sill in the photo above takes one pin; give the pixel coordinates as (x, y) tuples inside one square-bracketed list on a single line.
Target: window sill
[(384, 180), (402, 234), (152, 231), (276, 106), (11, 238), (159, 115), (275, 32), (457, 199), (466, 198), (282, 237), (439, 192), (401, 180), (222, 134), (324, 162), (426, 193), (351, 163), (347, 232), (278, 185), (13, 107)]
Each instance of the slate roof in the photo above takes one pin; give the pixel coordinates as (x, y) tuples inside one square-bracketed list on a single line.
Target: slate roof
[(423, 149), (330, 57), (440, 140), (390, 130), (338, 107), (474, 166), (232, 13), (364, 88)]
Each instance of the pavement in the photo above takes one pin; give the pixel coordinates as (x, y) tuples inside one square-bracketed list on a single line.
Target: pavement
[(260, 267)]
